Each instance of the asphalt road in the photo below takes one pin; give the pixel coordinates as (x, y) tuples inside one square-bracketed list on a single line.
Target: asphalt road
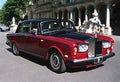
[(26, 68)]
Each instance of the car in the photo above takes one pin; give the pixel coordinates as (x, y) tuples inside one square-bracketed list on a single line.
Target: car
[(58, 42), (3, 27)]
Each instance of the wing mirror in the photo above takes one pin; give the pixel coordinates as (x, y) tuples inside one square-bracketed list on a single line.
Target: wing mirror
[(34, 31)]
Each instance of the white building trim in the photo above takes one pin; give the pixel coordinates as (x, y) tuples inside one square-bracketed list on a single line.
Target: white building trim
[(108, 20)]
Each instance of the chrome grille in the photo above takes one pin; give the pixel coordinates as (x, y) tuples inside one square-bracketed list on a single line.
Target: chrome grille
[(95, 47), (98, 47)]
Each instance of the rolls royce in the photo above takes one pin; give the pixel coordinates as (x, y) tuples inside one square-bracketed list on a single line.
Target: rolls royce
[(58, 42)]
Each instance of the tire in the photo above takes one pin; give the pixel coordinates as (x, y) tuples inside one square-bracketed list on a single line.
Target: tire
[(15, 50), (56, 63)]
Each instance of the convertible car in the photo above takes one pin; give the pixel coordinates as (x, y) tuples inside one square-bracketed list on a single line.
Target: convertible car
[(58, 42)]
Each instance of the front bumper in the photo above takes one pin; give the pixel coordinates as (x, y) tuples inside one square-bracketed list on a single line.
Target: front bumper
[(89, 61)]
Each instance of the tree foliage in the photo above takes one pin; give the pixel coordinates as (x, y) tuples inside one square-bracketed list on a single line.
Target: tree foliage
[(13, 8)]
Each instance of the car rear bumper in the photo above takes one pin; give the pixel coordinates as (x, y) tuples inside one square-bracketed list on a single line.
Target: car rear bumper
[(88, 61)]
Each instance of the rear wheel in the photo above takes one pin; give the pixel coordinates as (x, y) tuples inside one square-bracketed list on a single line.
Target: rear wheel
[(56, 62), (15, 50)]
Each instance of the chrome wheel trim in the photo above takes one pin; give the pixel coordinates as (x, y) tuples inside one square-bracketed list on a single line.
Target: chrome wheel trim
[(55, 61), (15, 50)]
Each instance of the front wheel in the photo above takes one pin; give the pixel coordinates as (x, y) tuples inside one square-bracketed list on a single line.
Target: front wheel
[(0, 30), (56, 62), (15, 50)]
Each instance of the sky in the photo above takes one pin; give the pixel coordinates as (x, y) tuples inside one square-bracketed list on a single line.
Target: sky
[(2, 3)]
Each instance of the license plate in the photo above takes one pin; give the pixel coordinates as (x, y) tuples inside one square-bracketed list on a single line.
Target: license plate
[(98, 60)]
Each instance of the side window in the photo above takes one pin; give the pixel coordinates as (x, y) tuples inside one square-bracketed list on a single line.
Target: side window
[(23, 28), (19, 28), (34, 26), (45, 27)]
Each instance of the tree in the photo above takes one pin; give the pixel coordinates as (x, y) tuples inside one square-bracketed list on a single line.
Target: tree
[(13, 8), (1, 17)]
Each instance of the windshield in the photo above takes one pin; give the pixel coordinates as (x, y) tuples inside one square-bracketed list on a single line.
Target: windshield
[(54, 27)]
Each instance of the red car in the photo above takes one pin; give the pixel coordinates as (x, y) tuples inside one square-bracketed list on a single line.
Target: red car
[(58, 42)]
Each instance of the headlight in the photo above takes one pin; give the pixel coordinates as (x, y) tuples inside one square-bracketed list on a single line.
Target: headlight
[(106, 44), (82, 47)]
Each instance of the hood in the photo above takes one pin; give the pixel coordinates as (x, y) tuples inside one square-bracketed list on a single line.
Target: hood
[(78, 36)]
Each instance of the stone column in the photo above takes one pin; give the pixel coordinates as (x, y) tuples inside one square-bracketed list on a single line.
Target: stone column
[(68, 14), (57, 15), (86, 15), (79, 19), (71, 15), (62, 15), (109, 32)]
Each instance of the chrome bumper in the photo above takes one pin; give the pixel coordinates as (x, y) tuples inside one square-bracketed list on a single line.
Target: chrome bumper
[(87, 61)]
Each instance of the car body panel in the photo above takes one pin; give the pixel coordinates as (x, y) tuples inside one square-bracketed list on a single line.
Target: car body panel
[(65, 43), (3, 27)]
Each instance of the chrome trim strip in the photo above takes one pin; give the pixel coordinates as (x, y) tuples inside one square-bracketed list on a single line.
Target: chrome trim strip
[(89, 59)]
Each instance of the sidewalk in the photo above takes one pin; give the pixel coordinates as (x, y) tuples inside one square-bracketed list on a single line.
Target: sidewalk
[(115, 37)]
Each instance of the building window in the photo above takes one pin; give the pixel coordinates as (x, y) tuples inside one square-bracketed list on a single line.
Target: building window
[(67, 1), (46, 1)]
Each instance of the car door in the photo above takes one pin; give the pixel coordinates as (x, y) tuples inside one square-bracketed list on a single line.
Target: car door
[(33, 40), (21, 33)]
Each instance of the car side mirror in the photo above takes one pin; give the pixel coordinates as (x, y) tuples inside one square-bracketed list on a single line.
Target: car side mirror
[(34, 31)]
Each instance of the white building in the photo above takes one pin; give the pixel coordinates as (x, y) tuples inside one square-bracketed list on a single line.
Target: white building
[(77, 10)]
